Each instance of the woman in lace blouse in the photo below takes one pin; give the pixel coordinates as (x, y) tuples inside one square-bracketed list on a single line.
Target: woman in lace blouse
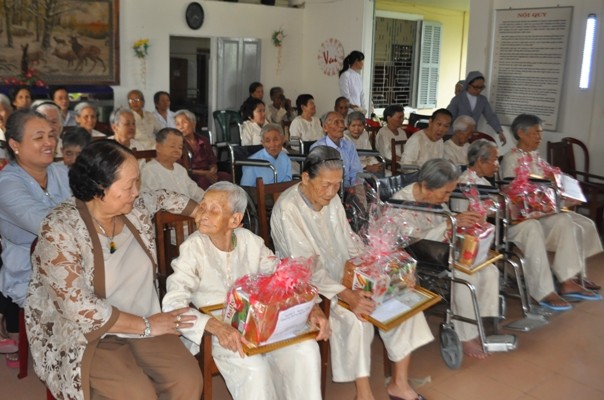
[(93, 316)]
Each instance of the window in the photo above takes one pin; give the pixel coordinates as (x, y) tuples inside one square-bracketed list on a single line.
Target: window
[(429, 65), (588, 49)]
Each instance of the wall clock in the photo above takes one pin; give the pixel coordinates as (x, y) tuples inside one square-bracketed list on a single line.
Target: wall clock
[(331, 56), (194, 15)]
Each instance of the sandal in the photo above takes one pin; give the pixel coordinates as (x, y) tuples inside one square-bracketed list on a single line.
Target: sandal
[(8, 346), (587, 284), (12, 360)]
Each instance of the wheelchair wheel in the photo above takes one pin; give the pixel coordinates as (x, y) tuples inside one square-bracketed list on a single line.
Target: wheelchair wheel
[(450, 347)]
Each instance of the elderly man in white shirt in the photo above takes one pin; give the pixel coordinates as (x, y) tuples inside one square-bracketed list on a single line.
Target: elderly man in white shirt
[(210, 261)]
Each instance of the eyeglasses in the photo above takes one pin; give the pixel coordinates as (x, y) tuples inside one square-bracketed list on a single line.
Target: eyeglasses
[(478, 87), (136, 99)]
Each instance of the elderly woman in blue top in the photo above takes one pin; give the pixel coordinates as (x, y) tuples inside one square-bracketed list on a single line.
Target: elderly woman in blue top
[(272, 139), (32, 185), (471, 102), (334, 128)]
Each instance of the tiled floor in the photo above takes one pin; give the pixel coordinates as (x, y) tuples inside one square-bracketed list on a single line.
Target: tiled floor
[(563, 360)]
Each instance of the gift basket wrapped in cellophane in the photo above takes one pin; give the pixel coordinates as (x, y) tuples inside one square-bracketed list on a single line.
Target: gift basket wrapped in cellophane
[(384, 268), (530, 199), (270, 307), (472, 244)]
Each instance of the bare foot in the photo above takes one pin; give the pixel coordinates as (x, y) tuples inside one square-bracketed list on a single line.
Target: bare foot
[(401, 392), (473, 348), (570, 286), (555, 300)]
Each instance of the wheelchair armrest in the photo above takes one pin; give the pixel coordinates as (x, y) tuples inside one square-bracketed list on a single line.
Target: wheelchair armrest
[(251, 162)]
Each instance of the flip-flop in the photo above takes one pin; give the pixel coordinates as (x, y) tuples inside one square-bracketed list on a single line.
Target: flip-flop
[(550, 306), (582, 296), (12, 360), (8, 346)]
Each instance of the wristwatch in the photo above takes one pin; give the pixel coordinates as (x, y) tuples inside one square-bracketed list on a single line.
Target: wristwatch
[(147, 331)]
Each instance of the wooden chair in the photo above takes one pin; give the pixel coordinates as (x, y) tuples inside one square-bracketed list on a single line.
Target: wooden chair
[(146, 155), (263, 194), (394, 165), (170, 231), (481, 135), (170, 226), (561, 154)]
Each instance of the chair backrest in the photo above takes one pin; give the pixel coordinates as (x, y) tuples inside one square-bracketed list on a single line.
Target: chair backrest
[(572, 142), (373, 130), (419, 121), (146, 155), (558, 156), (394, 164), (266, 196), (481, 135), (170, 231), (227, 120)]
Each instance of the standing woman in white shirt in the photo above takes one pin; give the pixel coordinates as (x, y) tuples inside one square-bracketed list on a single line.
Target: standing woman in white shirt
[(306, 125), (351, 83)]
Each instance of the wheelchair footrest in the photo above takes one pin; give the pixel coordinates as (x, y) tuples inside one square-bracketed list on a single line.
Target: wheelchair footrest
[(499, 343), (528, 323)]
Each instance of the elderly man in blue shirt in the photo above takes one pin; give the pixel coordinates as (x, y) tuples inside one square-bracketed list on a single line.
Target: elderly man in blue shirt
[(273, 152), (334, 126)]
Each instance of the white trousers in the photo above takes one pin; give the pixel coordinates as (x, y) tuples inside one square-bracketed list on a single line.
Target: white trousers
[(351, 339), (571, 236), (292, 372), (486, 282)]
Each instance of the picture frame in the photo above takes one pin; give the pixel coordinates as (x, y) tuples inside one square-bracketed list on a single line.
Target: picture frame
[(251, 350), (80, 46), (389, 315)]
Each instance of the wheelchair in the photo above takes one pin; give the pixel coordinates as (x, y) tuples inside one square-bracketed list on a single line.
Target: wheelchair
[(436, 265)]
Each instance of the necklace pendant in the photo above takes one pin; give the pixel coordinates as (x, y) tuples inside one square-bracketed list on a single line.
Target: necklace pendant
[(112, 247)]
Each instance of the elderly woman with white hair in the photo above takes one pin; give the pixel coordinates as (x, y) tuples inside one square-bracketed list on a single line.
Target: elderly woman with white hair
[(210, 261), (309, 220), (272, 139), (456, 148), (204, 165), (86, 117), (573, 237), (436, 180), (124, 129), (531, 239)]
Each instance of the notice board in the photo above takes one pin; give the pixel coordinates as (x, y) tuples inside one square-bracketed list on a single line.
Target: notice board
[(529, 58)]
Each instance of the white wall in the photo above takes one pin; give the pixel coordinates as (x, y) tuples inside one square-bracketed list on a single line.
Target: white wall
[(581, 111), (350, 21), (222, 19)]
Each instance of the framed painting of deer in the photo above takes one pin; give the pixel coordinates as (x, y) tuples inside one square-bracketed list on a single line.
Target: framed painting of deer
[(66, 42)]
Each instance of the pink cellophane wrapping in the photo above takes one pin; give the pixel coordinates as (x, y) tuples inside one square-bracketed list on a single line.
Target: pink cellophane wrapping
[(254, 302), (528, 199), (384, 269)]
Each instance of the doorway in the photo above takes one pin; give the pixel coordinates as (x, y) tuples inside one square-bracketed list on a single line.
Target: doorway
[(189, 76)]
